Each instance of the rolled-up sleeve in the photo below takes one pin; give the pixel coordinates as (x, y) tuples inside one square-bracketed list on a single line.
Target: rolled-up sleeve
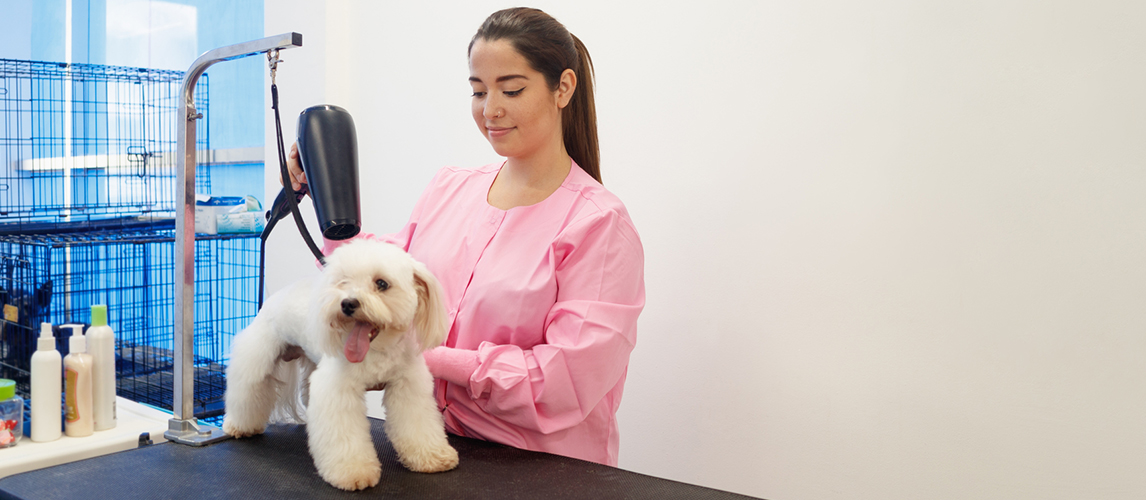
[(589, 332)]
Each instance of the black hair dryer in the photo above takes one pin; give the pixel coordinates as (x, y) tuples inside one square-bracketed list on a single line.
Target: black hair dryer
[(328, 153)]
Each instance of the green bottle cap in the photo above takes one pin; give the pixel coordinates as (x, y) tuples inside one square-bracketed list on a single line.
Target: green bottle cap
[(7, 389), (99, 315)]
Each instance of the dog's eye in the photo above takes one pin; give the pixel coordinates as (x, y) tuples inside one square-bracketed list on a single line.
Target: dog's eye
[(382, 285)]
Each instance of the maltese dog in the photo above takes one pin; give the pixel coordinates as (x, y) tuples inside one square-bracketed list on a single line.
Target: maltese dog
[(363, 322)]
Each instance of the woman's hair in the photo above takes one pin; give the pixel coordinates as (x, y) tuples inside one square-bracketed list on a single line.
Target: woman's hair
[(550, 50)]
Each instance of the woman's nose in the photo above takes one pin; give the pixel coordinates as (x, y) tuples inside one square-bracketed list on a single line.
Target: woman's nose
[(492, 109)]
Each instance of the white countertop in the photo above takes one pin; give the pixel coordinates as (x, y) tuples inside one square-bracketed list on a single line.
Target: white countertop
[(132, 419)]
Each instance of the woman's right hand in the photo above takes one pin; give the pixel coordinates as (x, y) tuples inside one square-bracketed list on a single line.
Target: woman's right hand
[(294, 169)]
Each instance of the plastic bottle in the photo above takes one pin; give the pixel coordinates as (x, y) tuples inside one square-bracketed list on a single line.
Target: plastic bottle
[(101, 342), (46, 369), (11, 414), (78, 385)]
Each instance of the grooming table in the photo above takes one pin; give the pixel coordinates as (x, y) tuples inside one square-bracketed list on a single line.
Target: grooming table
[(277, 465), (134, 422)]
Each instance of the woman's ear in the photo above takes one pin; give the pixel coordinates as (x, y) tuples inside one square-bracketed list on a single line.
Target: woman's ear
[(565, 88)]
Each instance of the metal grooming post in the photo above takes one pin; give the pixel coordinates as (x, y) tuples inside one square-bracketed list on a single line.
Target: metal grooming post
[(184, 428)]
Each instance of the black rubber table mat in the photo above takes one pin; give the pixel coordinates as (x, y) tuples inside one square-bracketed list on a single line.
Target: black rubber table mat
[(277, 465)]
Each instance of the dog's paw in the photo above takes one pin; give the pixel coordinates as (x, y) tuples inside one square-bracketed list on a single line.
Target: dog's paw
[(238, 431), (431, 459), (353, 477)]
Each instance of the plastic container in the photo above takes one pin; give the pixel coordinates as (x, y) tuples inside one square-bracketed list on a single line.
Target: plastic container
[(101, 345), (46, 383), (78, 420), (11, 414), (207, 207)]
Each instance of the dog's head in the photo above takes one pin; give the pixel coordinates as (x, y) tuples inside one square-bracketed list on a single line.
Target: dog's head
[(371, 288)]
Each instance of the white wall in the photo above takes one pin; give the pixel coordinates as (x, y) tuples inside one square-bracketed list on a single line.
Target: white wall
[(894, 250)]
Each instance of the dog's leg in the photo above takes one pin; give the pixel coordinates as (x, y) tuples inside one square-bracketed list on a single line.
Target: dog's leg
[(305, 370), (413, 423), (294, 391), (337, 429), (251, 390)]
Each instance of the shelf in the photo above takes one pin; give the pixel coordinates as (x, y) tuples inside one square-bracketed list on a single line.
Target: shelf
[(133, 419)]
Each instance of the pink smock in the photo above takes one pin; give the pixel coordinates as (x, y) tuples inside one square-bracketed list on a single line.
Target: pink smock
[(543, 303)]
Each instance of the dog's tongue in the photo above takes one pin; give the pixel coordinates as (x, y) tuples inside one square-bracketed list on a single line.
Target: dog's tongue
[(358, 342)]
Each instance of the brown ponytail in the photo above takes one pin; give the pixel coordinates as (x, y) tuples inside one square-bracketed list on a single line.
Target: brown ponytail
[(550, 50), (579, 118)]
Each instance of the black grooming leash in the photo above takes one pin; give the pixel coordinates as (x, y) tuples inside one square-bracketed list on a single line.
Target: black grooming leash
[(283, 202)]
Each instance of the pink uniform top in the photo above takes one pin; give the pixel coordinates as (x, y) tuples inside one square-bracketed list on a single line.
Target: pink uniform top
[(543, 303)]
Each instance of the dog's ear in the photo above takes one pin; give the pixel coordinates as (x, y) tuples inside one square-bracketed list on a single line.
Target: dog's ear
[(430, 317)]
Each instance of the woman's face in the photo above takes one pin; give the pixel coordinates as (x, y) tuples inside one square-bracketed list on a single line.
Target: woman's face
[(513, 105)]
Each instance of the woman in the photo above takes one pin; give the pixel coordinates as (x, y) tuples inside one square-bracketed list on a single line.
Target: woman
[(542, 269)]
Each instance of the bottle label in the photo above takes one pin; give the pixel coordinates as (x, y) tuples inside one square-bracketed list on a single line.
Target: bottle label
[(70, 377)]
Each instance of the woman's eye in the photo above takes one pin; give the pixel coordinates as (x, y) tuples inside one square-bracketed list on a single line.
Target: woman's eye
[(382, 285), (514, 93), (479, 94)]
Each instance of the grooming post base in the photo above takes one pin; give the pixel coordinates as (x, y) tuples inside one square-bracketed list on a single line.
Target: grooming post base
[(184, 428), (191, 432)]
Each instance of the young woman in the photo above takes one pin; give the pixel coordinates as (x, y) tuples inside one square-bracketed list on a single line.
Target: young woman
[(542, 269)]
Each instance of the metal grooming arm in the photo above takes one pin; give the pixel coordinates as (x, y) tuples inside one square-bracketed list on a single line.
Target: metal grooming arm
[(184, 428)]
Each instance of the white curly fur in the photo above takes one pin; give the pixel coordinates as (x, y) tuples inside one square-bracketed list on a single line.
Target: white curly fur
[(409, 318)]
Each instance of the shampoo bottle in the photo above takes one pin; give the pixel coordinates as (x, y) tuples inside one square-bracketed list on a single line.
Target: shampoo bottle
[(101, 344), (46, 387), (78, 385)]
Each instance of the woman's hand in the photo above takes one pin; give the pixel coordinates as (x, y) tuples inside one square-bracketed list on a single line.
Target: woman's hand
[(294, 169), (291, 353)]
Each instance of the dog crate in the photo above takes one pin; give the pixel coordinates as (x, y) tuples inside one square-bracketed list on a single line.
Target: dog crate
[(82, 144), (87, 206), (56, 278)]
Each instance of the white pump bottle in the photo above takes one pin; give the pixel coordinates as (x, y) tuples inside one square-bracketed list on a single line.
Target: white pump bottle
[(46, 387), (101, 345)]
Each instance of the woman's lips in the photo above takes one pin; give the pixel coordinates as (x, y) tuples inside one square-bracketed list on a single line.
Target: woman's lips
[(496, 132)]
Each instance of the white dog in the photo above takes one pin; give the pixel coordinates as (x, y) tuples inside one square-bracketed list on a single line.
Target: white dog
[(363, 322)]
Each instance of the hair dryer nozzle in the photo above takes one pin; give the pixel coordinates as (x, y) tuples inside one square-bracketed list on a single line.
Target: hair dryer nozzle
[(328, 151)]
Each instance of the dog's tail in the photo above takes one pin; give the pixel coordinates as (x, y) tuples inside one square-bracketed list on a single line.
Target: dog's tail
[(290, 407)]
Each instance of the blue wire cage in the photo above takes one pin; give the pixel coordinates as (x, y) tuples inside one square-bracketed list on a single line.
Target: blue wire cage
[(58, 277), (84, 143), (87, 205)]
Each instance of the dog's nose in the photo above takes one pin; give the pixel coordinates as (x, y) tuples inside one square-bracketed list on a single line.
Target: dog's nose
[(349, 306)]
